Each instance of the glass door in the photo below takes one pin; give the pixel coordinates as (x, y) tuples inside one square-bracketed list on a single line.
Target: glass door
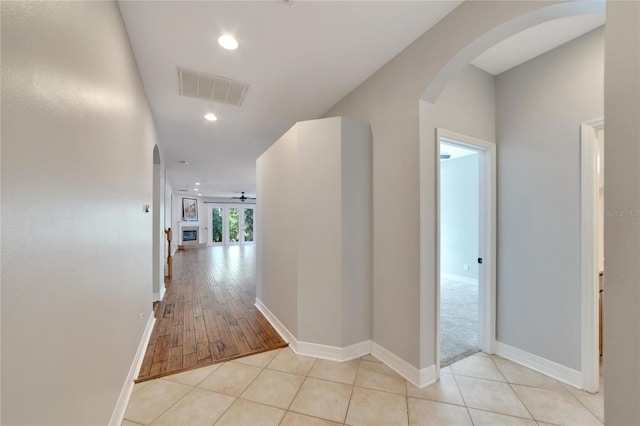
[(216, 231), (230, 225), (247, 225), (233, 223)]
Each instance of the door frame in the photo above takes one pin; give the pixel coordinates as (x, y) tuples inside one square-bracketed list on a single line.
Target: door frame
[(487, 238), (589, 193)]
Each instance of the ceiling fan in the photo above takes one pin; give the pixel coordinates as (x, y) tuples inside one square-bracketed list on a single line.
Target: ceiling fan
[(243, 198)]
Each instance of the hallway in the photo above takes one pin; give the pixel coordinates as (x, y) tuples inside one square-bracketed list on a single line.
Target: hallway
[(208, 313)]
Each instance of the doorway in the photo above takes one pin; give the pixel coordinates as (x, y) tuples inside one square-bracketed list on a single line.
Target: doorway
[(592, 250), (158, 235), (230, 225), (466, 246)]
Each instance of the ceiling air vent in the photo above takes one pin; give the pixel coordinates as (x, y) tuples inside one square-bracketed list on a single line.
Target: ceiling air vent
[(211, 87)]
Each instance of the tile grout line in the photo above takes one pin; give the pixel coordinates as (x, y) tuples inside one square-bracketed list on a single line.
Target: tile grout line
[(562, 385), (235, 398), (247, 387), (172, 405), (583, 404), (464, 401), (406, 400), (515, 393), (353, 388)]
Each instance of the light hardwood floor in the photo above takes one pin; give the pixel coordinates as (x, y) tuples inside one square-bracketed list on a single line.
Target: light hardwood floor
[(208, 313)]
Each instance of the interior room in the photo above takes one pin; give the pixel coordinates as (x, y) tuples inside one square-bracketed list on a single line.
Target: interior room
[(459, 252), (280, 224)]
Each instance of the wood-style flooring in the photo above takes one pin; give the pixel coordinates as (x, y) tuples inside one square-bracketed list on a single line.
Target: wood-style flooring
[(208, 313)]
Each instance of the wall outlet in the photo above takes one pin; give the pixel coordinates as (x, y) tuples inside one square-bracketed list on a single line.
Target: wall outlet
[(465, 267)]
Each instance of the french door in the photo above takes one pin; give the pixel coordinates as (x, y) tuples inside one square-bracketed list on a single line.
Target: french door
[(230, 224)]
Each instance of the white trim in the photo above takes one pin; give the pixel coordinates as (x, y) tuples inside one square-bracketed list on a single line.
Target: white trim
[(589, 193), (557, 371), (334, 353), (159, 296), (459, 278), (488, 240), (419, 378), (275, 322), (123, 400)]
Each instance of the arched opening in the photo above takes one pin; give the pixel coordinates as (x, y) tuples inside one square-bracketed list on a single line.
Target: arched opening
[(468, 50)]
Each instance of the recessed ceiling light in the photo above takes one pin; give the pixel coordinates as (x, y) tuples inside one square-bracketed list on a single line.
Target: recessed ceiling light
[(199, 195), (197, 183), (228, 42), (210, 117)]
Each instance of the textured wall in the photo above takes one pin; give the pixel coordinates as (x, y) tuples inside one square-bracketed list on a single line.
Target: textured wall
[(539, 108), (77, 143)]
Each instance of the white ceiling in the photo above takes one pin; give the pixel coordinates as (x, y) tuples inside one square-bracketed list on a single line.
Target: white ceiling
[(299, 58), (535, 41)]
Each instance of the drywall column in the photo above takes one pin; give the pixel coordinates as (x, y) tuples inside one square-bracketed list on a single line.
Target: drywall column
[(314, 224), (622, 222)]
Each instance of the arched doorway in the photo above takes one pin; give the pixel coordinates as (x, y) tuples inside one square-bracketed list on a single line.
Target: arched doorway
[(470, 45)]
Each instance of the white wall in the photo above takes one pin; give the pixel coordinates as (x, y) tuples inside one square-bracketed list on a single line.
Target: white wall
[(168, 217), (622, 232), (540, 106), (314, 231), (357, 235), (277, 262), (319, 238), (178, 222), (77, 134), (600, 213), (466, 106), (459, 220)]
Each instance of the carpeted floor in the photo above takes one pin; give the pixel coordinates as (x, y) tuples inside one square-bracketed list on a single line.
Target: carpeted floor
[(458, 321)]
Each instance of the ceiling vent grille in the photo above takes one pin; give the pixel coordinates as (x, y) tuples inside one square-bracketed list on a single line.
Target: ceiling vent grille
[(211, 87)]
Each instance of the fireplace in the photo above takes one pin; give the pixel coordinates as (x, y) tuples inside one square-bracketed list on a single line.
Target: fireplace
[(190, 235)]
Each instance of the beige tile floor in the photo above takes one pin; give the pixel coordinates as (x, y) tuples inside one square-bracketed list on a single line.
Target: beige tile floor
[(282, 388)]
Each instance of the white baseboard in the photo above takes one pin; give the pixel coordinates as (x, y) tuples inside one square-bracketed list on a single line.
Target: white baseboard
[(550, 368), (459, 278), (159, 296), (275, 322), (419, 378), (333, 353), (121, 406)]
